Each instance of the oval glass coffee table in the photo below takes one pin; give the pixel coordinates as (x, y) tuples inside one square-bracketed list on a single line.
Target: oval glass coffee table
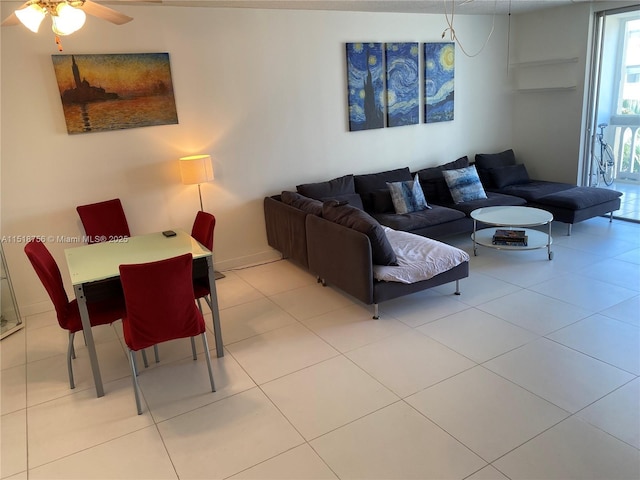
[(511, 218)]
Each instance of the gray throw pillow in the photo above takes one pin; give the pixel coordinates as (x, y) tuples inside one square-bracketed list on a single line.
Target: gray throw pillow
[(361, 221)]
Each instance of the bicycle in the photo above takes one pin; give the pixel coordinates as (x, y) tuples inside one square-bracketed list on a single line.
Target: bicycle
[(605, 163)]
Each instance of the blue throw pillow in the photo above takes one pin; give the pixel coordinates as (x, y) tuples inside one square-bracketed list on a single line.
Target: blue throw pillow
[(464, 184), (407, 196)]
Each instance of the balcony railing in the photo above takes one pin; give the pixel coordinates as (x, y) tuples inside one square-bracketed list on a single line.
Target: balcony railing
[(623, 134)]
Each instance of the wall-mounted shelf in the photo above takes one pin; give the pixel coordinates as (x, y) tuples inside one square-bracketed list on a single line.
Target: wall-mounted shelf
[(560, 74)]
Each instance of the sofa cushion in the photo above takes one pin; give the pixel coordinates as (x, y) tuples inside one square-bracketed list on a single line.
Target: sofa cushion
[(493, 200), (306, 204), (434, 186), (366, 185), (352, 217), (579, 197), (382, 202), (413, 221), (407, 196), (487, 161), (535, 189), (352, 199), (338, 186), (509, 175), (464, 184)]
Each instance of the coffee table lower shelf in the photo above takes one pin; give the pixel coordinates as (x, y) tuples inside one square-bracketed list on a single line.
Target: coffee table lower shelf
[(536, 240)]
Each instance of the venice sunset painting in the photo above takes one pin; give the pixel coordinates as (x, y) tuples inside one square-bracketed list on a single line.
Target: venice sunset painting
[(115, 91)]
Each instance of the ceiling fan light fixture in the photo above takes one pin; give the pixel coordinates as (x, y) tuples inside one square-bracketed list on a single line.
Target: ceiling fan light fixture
[(67, 19), (31, 16)]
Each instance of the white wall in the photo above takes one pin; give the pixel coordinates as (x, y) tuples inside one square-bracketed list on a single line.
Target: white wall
[(262, 91), (548, 122)]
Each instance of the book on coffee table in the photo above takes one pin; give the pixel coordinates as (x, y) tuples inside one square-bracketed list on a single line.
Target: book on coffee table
[(510, 237)]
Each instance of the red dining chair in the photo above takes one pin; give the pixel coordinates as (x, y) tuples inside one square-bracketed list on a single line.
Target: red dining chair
[(104, 221), (102, 312), (160, 307), (202, 230)]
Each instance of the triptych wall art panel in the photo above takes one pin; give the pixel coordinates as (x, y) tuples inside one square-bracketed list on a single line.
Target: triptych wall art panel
[(403, 87), (439, 62), (366, 86), (370, 97)]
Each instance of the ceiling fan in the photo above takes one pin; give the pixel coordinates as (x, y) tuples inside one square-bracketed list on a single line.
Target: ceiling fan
[(67, 16)]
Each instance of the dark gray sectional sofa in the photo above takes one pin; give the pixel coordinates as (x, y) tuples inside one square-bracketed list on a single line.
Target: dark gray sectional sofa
[(344, 254)]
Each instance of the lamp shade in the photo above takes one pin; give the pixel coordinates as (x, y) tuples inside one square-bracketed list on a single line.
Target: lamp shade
[(196, 169), (31, 16)]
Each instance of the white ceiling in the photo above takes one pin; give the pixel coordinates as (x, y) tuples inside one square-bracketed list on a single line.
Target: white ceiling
[(462, 7)]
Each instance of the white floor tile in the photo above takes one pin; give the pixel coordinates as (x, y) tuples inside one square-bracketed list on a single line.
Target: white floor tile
[(279, 352), (564, 377), (395, 442), (535, 312), (326, 396), (627, 311), (487, 413), (477, 335), (233, 290), (48, 378), (13, 382), (353, 327), (311, 301), (614, 342), (618, 413), (409, 362), (113, 459), (588, 293), (276, 277), (616, 272), (227, 437), (13, 443), (252, 318), (300, 463), (487, 473), (479, 288), (175, 388), (422, 307), (75, 422), (572, 450), (13, 350)]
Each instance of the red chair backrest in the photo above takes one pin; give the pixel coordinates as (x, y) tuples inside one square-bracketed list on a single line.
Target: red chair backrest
[(203, 227), (160, 302), (47, 270), (104, 221)]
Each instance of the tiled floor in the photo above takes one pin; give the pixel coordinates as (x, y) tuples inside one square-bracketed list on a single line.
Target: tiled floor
[(533, 372), (630, 201)]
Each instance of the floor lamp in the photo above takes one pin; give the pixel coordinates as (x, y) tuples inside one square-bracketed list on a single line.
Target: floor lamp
[(195, 170)]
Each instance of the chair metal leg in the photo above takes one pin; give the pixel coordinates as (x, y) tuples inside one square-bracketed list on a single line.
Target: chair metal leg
[(134, 375), (72, 337), (208, 357), (70, 355), (144, 358), (156, 353), (199, 306), (193, 348)]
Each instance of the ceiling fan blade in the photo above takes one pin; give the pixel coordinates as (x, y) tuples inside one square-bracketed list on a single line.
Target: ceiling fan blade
[(106, 13), (13, 19)]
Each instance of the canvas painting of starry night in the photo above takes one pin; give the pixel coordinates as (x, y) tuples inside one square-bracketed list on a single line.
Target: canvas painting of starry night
[(403, 88), (365, 82), (439, 63)]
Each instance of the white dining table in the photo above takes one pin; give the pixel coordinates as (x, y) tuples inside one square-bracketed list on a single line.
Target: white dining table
[(99, 263)]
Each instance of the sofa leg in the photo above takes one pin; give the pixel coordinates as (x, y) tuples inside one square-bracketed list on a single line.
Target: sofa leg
[(611, 216), (376, 314), (568, 229), (457, 292)]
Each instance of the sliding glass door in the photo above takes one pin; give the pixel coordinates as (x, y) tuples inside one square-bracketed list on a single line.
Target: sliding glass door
[(614, 95)]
